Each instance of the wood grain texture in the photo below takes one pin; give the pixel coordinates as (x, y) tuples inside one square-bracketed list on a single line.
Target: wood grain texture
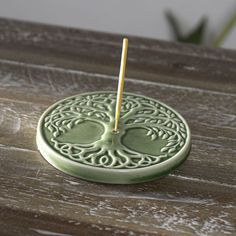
[(41, 64)]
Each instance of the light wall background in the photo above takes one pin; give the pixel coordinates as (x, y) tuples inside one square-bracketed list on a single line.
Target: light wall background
[(133, 17)]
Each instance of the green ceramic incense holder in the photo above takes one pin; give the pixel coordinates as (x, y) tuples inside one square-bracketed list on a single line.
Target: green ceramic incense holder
[(76, 136)]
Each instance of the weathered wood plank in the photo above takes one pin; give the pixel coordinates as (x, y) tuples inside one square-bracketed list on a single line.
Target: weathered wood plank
[(167, 205), (34, 224), (209, 108), (98, 52), (213, 134)]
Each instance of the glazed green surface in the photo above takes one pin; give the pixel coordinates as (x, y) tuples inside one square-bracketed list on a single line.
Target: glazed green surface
[(137, 140), (78, 133), (85, 132)]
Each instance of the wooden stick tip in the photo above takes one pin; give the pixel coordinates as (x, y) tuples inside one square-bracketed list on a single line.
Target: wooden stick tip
[(125, 40)]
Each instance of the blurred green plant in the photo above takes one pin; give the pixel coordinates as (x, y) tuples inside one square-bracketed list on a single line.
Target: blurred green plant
[(197, 34)]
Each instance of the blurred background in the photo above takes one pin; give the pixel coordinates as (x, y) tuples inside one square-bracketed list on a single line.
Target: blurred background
[(203, 22)]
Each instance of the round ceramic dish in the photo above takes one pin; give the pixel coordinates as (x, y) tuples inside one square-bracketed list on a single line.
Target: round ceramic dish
[(76, 136)]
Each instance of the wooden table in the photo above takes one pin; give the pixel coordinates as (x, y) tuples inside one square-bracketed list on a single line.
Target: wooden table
[(40, 64)]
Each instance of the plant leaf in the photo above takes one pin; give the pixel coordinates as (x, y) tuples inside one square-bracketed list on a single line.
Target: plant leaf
[(174, 24), (195, 36)]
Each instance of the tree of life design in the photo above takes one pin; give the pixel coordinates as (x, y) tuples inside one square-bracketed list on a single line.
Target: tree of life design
[(109, 151)]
